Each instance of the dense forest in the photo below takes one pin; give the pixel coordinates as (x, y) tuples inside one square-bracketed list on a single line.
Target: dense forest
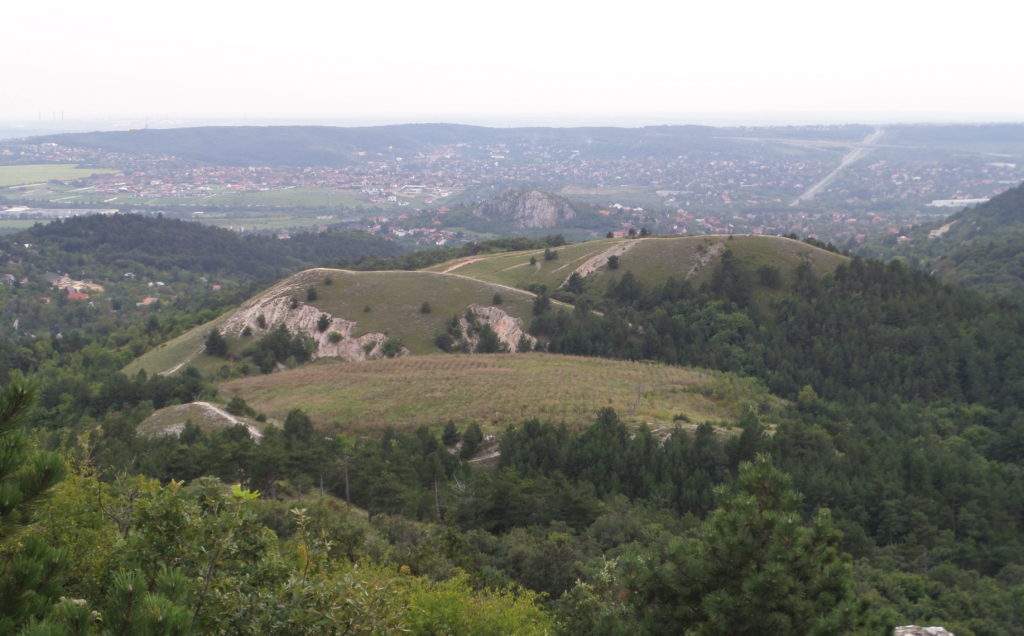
[(889, 488), (132, 242)]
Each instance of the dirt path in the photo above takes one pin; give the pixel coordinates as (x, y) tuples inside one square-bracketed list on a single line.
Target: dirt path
[(216, 410), (711, 254), (459, 264), (594, 263), (190, 358)]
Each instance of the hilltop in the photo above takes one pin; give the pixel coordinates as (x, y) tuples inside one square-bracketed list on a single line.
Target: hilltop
[(652, 260)]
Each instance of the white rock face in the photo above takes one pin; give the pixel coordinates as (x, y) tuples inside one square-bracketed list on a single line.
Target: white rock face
[(509, 329), (914, 630), (304, 319), (529, 209)]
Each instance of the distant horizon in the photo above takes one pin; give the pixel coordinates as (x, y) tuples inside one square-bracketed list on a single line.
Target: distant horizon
[(13, 127)]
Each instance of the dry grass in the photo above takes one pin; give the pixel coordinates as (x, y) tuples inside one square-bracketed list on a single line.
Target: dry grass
[(496, 390)]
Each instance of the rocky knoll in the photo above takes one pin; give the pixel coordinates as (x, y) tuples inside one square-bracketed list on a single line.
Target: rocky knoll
[(337, 339), (527, 209)]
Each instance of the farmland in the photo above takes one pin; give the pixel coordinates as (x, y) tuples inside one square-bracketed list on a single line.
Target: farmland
[(41, 173)]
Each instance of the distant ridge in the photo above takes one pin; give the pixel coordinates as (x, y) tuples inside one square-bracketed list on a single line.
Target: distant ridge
[(335, 146)]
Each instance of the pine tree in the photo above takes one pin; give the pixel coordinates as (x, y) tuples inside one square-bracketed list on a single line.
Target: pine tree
[(754, 567), (29, 569)]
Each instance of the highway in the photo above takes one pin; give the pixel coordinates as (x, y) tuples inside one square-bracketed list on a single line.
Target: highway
[(858, 152)]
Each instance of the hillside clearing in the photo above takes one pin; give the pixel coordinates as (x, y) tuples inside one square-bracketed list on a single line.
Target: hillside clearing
[(496, 390)]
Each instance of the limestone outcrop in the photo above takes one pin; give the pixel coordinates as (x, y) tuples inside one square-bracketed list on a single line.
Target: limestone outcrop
[(267, 313), (509, 329), (527, 209)]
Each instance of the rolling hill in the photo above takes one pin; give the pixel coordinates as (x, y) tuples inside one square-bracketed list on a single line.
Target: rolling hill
[(373, 306)]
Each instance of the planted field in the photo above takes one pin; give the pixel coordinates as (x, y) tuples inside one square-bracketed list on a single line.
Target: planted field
[(41, 173), (496, 390)]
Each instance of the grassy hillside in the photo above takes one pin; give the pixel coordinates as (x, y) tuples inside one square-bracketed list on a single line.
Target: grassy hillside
[(494, 390), (652, 260), (390, 302)]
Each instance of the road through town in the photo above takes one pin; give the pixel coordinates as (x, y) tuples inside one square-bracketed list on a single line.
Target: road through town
[(858, 152)]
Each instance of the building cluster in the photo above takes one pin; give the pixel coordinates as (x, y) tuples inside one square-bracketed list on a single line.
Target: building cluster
[(704, 191)]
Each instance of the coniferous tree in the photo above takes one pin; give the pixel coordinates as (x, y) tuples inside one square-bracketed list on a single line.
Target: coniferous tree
[(29, 568), (754, 567)]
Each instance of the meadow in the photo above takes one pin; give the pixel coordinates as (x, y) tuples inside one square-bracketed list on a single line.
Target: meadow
[(494, 390)]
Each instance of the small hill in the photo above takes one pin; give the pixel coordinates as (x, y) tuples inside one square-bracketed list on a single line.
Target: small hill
[(494, 390), (171, 420), (979, 246), (527, 209), (652, 260), (364, 308)]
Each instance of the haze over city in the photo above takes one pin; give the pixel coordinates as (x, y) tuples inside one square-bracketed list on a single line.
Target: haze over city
[(111, 64)]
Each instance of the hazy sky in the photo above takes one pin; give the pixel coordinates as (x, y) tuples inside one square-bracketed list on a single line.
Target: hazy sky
[(477, 61)]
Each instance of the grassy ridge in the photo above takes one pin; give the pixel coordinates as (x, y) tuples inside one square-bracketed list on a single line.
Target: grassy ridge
[(494, 390), (652, 260)]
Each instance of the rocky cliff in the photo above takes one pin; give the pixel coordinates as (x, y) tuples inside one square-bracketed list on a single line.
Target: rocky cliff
[(509, 329), (299, 317), (527, 209)]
